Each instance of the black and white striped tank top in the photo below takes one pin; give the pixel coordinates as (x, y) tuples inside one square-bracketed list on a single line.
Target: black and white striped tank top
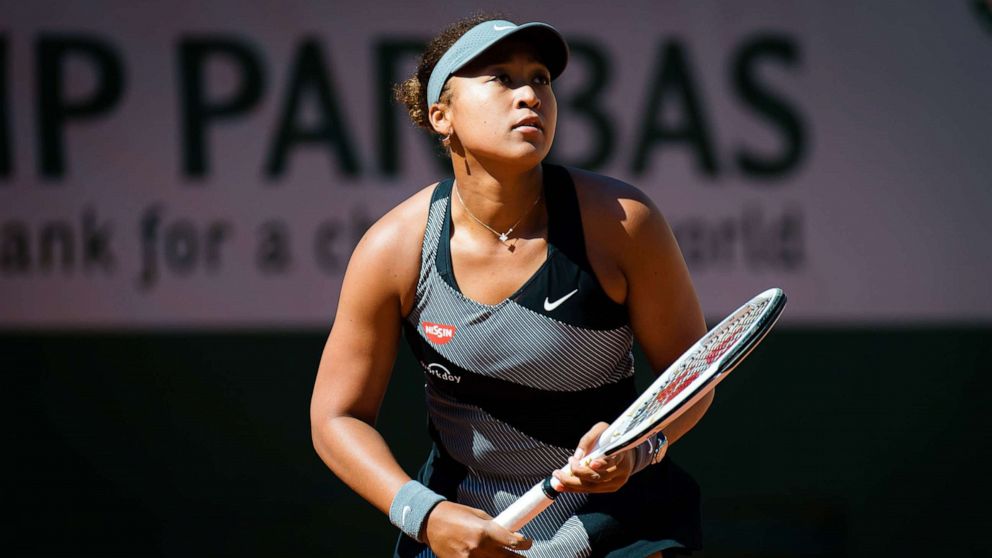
[(510, 386)]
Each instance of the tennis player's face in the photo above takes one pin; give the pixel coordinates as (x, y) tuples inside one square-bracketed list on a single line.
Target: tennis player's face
[(502, 105)]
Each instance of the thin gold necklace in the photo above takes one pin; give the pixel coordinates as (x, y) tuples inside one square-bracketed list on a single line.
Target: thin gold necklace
[(503, 237)]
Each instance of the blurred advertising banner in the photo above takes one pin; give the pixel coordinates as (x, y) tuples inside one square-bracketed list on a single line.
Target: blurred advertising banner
[(191, 164)]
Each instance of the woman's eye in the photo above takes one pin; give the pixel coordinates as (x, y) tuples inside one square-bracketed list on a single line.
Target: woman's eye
[(505, 79)]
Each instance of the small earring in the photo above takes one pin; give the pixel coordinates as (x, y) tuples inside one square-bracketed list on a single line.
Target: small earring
[(446, 140)]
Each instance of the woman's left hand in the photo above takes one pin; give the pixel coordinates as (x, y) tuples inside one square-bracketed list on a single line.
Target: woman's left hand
[(603, 474)]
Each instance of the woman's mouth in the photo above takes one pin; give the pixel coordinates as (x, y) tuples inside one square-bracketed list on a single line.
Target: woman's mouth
[(531, 124)]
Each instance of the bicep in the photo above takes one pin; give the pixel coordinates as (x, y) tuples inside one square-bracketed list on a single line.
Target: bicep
[(664, 310), (360, 351)]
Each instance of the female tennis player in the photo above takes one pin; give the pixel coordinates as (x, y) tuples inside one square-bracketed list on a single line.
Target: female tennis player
[(520, 286)]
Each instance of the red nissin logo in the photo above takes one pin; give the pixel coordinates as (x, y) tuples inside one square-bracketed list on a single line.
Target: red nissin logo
[(439, 333)]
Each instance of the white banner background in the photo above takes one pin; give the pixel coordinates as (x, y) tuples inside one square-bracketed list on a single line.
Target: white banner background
[(883, 219)]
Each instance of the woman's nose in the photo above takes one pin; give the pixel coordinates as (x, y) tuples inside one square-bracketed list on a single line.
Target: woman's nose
[(527, 97)]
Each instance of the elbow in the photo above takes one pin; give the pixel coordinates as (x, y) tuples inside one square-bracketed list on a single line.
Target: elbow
[(322, 436), (328, 424), (321, 416), (318, 424)]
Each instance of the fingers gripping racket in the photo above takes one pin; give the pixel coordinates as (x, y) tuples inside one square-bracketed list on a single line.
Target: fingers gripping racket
[(684, 383)]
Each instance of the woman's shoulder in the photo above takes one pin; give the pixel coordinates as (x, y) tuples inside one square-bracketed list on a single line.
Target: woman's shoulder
[(402, 223), (387, 258), (390, 248), (607, 200)]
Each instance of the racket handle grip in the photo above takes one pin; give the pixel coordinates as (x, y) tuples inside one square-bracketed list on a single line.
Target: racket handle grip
[(533, 502)]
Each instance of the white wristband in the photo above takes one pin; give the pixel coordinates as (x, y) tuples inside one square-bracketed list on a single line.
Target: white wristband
[(410, 507), (650, 452)]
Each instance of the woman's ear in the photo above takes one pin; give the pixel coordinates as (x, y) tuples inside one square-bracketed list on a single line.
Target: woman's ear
[(437, 115)]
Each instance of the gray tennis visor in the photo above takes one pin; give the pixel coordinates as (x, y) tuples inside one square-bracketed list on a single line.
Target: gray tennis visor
[(551, 48)]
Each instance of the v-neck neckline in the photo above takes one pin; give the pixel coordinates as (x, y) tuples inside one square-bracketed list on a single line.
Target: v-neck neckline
[(449, 268)]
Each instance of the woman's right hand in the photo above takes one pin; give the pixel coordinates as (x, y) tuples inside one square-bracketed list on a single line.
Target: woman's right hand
[(457, 531)]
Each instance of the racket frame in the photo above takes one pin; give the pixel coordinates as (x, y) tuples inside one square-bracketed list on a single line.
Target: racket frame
[(700, 386), (543, 494)]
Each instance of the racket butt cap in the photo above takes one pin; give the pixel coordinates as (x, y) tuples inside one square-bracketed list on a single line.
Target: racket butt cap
[(533, 502), (549, 489)]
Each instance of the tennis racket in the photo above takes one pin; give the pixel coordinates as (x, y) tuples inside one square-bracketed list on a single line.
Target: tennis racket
[(684, 383)]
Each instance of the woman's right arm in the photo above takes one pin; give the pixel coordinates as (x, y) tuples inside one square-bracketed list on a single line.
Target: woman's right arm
[(356, 365), (352, 378)]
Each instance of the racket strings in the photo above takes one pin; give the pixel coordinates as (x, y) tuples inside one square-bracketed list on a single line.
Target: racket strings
[(711, 350)]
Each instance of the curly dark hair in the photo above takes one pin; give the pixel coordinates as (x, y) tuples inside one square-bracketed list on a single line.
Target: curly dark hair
[(412, 92)]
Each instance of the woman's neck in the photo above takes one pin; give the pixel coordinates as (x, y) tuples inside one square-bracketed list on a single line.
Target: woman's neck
[(497, 195)]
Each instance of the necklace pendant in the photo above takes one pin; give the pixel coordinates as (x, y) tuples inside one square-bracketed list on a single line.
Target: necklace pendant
[(503, 238)]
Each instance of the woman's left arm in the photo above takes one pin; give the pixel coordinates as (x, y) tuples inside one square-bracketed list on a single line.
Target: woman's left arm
[(665, 316), (661, 301)]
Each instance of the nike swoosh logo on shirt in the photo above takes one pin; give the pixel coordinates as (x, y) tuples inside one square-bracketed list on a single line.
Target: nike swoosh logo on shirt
[(549, 306), (502, 27)]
